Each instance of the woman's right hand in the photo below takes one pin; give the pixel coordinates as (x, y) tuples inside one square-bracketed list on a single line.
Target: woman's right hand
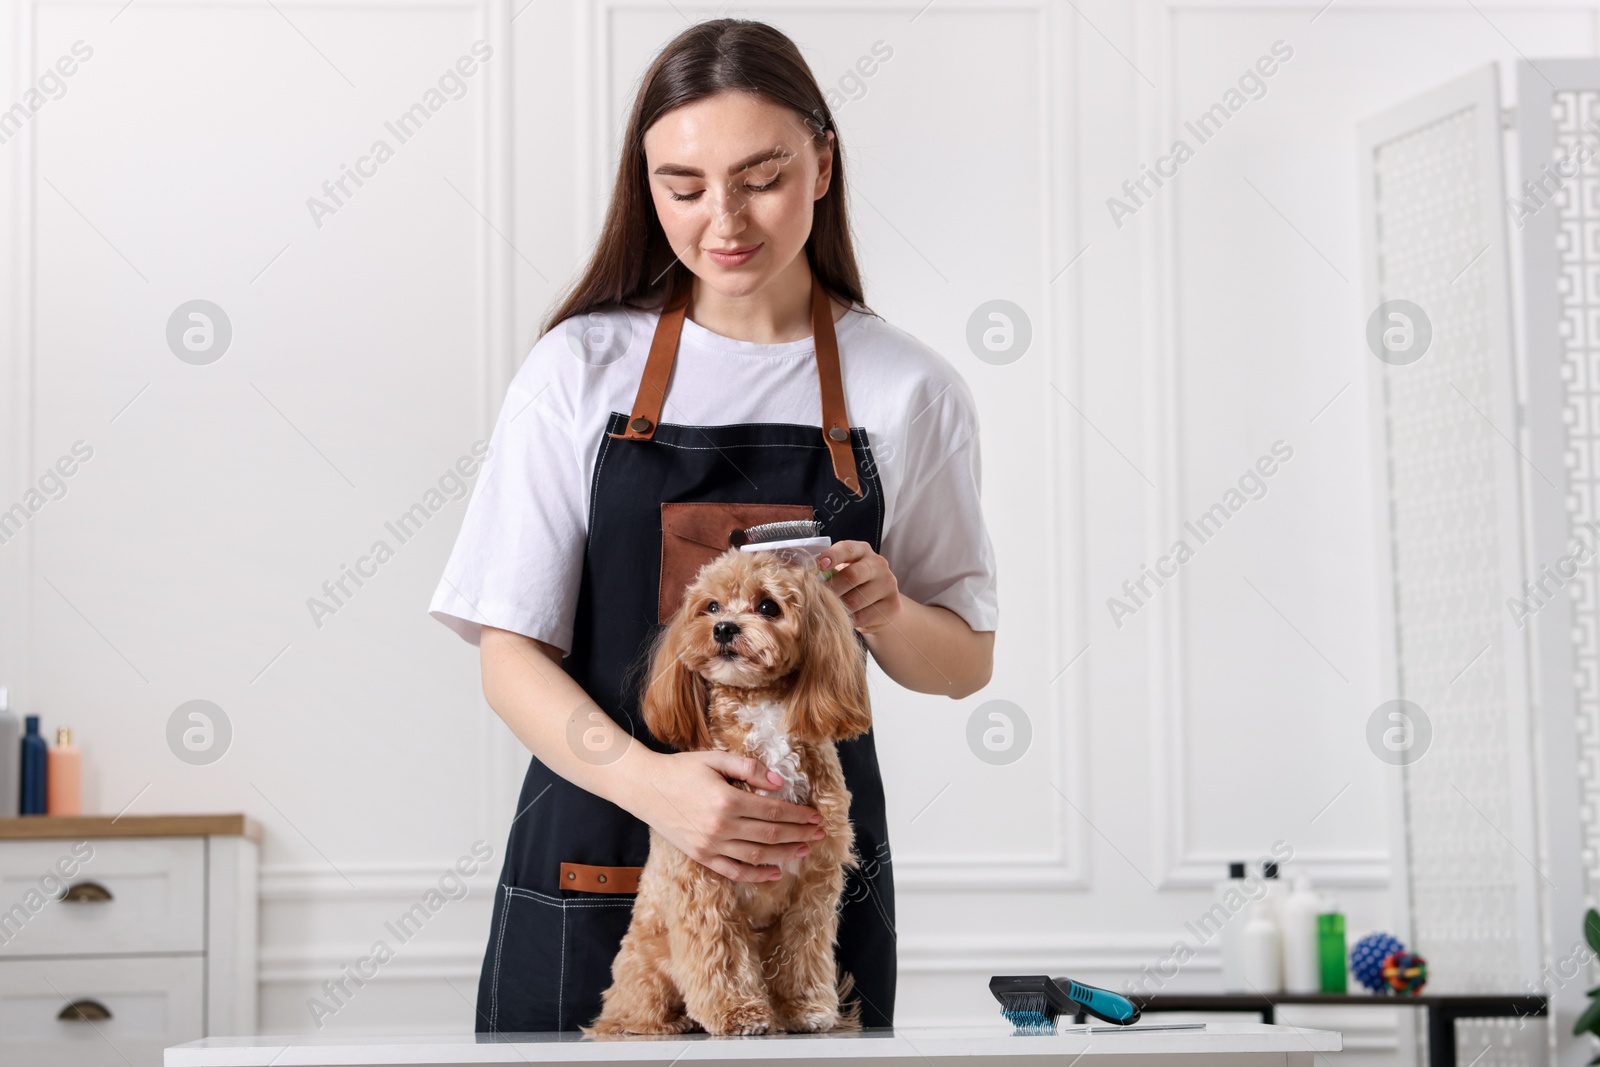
[(689, 800)]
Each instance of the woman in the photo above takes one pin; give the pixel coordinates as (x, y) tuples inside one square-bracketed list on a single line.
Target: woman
[(695, 382)]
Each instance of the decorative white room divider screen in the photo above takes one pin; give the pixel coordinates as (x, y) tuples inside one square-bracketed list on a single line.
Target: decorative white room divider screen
[(1555, 212), (1449, 474)]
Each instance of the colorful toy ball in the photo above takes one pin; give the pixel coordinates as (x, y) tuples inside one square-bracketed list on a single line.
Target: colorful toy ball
[(1366, 959), (1405, 972)]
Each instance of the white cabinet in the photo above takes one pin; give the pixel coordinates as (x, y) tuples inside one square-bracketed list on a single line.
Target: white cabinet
[(125, 895), (121, 937), (133, 1008)]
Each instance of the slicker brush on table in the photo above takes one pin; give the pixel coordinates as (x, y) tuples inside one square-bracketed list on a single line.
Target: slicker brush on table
[(1033, 1002)]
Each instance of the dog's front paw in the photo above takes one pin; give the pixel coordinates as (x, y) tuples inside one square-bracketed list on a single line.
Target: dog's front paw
[(638, 1026), (743, 1019), (811, 1018)]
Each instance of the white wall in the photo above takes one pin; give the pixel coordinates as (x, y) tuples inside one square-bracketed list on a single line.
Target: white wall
[(370, 352)]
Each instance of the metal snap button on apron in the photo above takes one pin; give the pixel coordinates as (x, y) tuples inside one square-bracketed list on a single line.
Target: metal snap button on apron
[(553, 937)]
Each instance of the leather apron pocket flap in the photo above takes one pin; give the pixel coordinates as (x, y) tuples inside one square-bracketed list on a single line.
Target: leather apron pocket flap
[(693, 533)]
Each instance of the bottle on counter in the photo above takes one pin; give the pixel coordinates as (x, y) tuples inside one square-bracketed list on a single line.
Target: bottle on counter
[(1233, 929), (1331, 949), (35, 770), (1297, 924), (1263, 963), (10, 758), (64, 780), (1273, 898)]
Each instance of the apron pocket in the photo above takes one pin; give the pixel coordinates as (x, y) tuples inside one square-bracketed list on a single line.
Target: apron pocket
[(693, 533), (553, 959)]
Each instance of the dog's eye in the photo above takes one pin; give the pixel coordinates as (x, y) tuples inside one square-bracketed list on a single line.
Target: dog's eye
[(769, 608), (713, 607)]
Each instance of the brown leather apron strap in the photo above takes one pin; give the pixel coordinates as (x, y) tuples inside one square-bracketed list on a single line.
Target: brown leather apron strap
[(647, 403), (592, 879), (835, 422), (652, 394)]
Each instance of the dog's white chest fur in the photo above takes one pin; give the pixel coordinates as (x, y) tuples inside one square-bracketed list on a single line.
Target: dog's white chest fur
[(768, 743)]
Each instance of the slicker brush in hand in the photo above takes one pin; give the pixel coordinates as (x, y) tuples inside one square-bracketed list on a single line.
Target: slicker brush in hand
[(799, 539)]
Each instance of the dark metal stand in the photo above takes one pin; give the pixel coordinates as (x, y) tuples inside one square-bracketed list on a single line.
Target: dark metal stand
[(1441, 1009)]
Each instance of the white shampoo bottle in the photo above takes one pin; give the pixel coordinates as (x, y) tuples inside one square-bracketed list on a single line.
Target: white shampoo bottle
[(1263, 967), (1298, 927), (1231, 894)]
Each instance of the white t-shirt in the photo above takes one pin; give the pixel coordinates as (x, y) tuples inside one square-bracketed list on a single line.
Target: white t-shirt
[(517, 561)]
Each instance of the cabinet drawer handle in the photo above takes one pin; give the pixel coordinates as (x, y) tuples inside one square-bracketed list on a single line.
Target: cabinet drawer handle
[(87, 893), (84, 1011)]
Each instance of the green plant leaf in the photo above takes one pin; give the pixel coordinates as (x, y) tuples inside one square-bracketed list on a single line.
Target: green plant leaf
[(1589, 1020), (1591, 929)]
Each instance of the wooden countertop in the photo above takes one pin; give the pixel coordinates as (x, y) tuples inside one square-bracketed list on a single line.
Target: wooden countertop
[(37, 827)]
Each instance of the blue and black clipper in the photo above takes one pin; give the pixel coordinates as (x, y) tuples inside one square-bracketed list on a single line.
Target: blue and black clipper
[(1033, 1002)]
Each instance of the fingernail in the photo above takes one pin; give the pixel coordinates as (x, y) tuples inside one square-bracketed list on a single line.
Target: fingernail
[(804, 850), (815, 818), (775, 778), (818, 836), (823, 561)]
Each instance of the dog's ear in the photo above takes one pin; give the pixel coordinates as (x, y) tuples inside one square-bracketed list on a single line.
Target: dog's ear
[(829, 700), (674, 700)]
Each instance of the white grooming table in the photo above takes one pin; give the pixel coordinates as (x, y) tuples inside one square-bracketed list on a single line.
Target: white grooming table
[(1234, 1044)]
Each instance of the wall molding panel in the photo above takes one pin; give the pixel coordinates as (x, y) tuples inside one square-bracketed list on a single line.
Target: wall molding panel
[(1179, 864), (1063, 865)]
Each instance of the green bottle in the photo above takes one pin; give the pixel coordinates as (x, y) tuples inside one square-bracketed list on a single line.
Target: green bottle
[(1330, 951)]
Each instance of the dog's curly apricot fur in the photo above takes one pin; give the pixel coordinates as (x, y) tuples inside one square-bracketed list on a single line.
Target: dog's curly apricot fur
[(761, 659)]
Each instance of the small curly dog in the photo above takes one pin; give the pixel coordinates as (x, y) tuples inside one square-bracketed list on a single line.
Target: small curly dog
[(761, 659)]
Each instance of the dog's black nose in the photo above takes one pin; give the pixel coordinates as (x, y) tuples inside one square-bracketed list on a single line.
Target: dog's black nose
[(723, 632)]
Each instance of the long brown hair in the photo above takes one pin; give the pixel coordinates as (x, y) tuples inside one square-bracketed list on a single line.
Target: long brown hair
[(633, 265)]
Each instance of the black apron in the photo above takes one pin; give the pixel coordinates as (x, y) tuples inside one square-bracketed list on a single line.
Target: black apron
[(566, 890)]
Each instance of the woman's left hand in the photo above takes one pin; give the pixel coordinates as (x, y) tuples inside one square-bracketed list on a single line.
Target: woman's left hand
[(864, 583)]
